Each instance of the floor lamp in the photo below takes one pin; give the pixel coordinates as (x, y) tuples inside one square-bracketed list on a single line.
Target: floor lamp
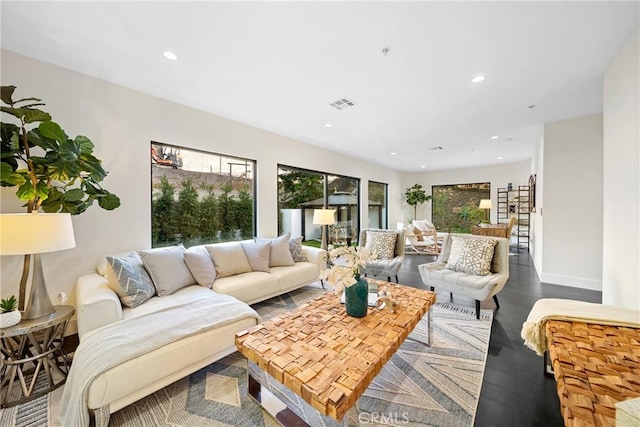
[(324, 217), (486, 205), (34, 234)]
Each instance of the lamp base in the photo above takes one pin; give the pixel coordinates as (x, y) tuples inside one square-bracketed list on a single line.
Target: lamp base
[(323, 245), (39, 303)]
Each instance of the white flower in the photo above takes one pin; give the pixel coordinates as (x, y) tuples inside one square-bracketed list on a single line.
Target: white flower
[(346, 262)]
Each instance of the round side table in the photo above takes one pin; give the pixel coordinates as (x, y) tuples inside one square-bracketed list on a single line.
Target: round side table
[(31, 355)]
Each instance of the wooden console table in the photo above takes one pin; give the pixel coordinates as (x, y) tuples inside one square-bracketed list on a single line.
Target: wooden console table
[(495, 230)]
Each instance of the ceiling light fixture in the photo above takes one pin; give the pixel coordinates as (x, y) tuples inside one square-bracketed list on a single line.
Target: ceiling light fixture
[(495, 137), (477, 79), (423, 166), (170, 55), (500, 157), (328, 125), (393, 153)]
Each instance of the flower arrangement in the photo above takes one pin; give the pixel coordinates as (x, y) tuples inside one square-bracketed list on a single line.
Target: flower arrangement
[(345, 265)]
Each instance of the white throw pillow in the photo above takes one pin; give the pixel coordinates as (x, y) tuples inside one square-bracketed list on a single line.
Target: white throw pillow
[(471, 256), (167, 269), (127, 277), (257, 254), (383, 243), (280, 252), (229, 259), (200, 265)]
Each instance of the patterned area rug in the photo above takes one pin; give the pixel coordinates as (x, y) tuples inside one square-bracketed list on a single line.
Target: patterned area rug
[(419, 386)]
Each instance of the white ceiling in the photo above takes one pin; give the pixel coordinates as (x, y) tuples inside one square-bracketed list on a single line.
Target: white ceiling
[(278, 66)]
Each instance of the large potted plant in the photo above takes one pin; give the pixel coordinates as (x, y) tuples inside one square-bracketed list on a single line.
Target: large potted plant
[(50, 171), (416, 195)]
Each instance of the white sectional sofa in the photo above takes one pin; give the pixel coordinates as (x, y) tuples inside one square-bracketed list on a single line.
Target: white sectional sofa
[(101, 309)]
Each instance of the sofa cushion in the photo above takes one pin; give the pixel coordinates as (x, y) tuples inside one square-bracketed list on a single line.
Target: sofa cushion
[(167, 269), (295, 246), (471, 256), (229, 259), (280, 252), (249, 287), (127, 277), (200, 265), (383, 243), (257, 254), (294, 276)]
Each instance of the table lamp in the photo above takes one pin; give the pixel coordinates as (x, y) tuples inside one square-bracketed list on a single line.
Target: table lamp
[(486, 205), (324, 217), (33, 234)]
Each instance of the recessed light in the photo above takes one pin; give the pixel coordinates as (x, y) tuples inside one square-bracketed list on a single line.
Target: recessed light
[(170, 55), (495, 137), (477, 79), (393, 153), (423, 166), (500, 158), (328, 125)]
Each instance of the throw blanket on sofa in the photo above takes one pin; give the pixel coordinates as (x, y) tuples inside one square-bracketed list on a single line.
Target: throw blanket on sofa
[(119, 342), (533, 332)]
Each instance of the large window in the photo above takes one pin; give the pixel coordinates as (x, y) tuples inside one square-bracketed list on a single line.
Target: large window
[(377, 205), (200, 197), (455, 207), (300, 191)]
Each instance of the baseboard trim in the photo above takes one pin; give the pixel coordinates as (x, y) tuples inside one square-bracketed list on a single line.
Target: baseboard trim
[(574, 282)]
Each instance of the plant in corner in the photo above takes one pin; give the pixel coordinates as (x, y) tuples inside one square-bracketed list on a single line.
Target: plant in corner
[(416, 195), (9, 314), (51, 171)]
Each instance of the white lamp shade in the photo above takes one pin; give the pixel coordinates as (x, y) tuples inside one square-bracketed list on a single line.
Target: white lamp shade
[(324, 216), (35, 233), (485, 204)]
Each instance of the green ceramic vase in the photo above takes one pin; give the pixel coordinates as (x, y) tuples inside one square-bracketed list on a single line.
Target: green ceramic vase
[(356, 298)]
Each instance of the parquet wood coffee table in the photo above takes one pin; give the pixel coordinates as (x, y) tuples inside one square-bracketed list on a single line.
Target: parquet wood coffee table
[(327, 357)]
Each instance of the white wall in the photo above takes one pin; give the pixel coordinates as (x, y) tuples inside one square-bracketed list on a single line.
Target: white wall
[(121, 122), (572, 203), (497, 175), (621, 219), (536, 220)]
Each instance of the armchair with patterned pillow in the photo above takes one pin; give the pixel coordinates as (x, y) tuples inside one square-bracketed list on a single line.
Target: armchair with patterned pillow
[(389, 246), (471, 265)]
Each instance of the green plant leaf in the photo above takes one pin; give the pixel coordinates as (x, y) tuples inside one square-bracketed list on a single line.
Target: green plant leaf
[(15, 112), (93, 166), (42, 190), (8, 177), (53, 131), (51, 206), (63, 171), (34, 115), (74, 195), (6, 94), (109, 202), (85, 144), (35, 138), (26, 191)]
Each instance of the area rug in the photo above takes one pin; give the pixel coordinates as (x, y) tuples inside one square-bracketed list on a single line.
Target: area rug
[(420, 386)]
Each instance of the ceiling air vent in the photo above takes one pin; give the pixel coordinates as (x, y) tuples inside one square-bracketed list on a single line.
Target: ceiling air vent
[(342, 103), (438, 148)]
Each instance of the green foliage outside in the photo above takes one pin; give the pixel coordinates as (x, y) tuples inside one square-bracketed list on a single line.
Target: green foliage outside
[(186, 217), (296, 187)]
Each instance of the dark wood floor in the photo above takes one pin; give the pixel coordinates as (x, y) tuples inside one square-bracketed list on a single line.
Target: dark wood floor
[(514, 390)]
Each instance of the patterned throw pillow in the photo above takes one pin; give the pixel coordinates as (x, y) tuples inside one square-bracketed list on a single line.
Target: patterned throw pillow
[(471, 256), (295, 246), (382, 242), (128, 278)]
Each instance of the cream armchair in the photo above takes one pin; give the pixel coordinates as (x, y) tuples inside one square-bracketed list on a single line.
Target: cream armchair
[(479, 287), (385, 267)]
